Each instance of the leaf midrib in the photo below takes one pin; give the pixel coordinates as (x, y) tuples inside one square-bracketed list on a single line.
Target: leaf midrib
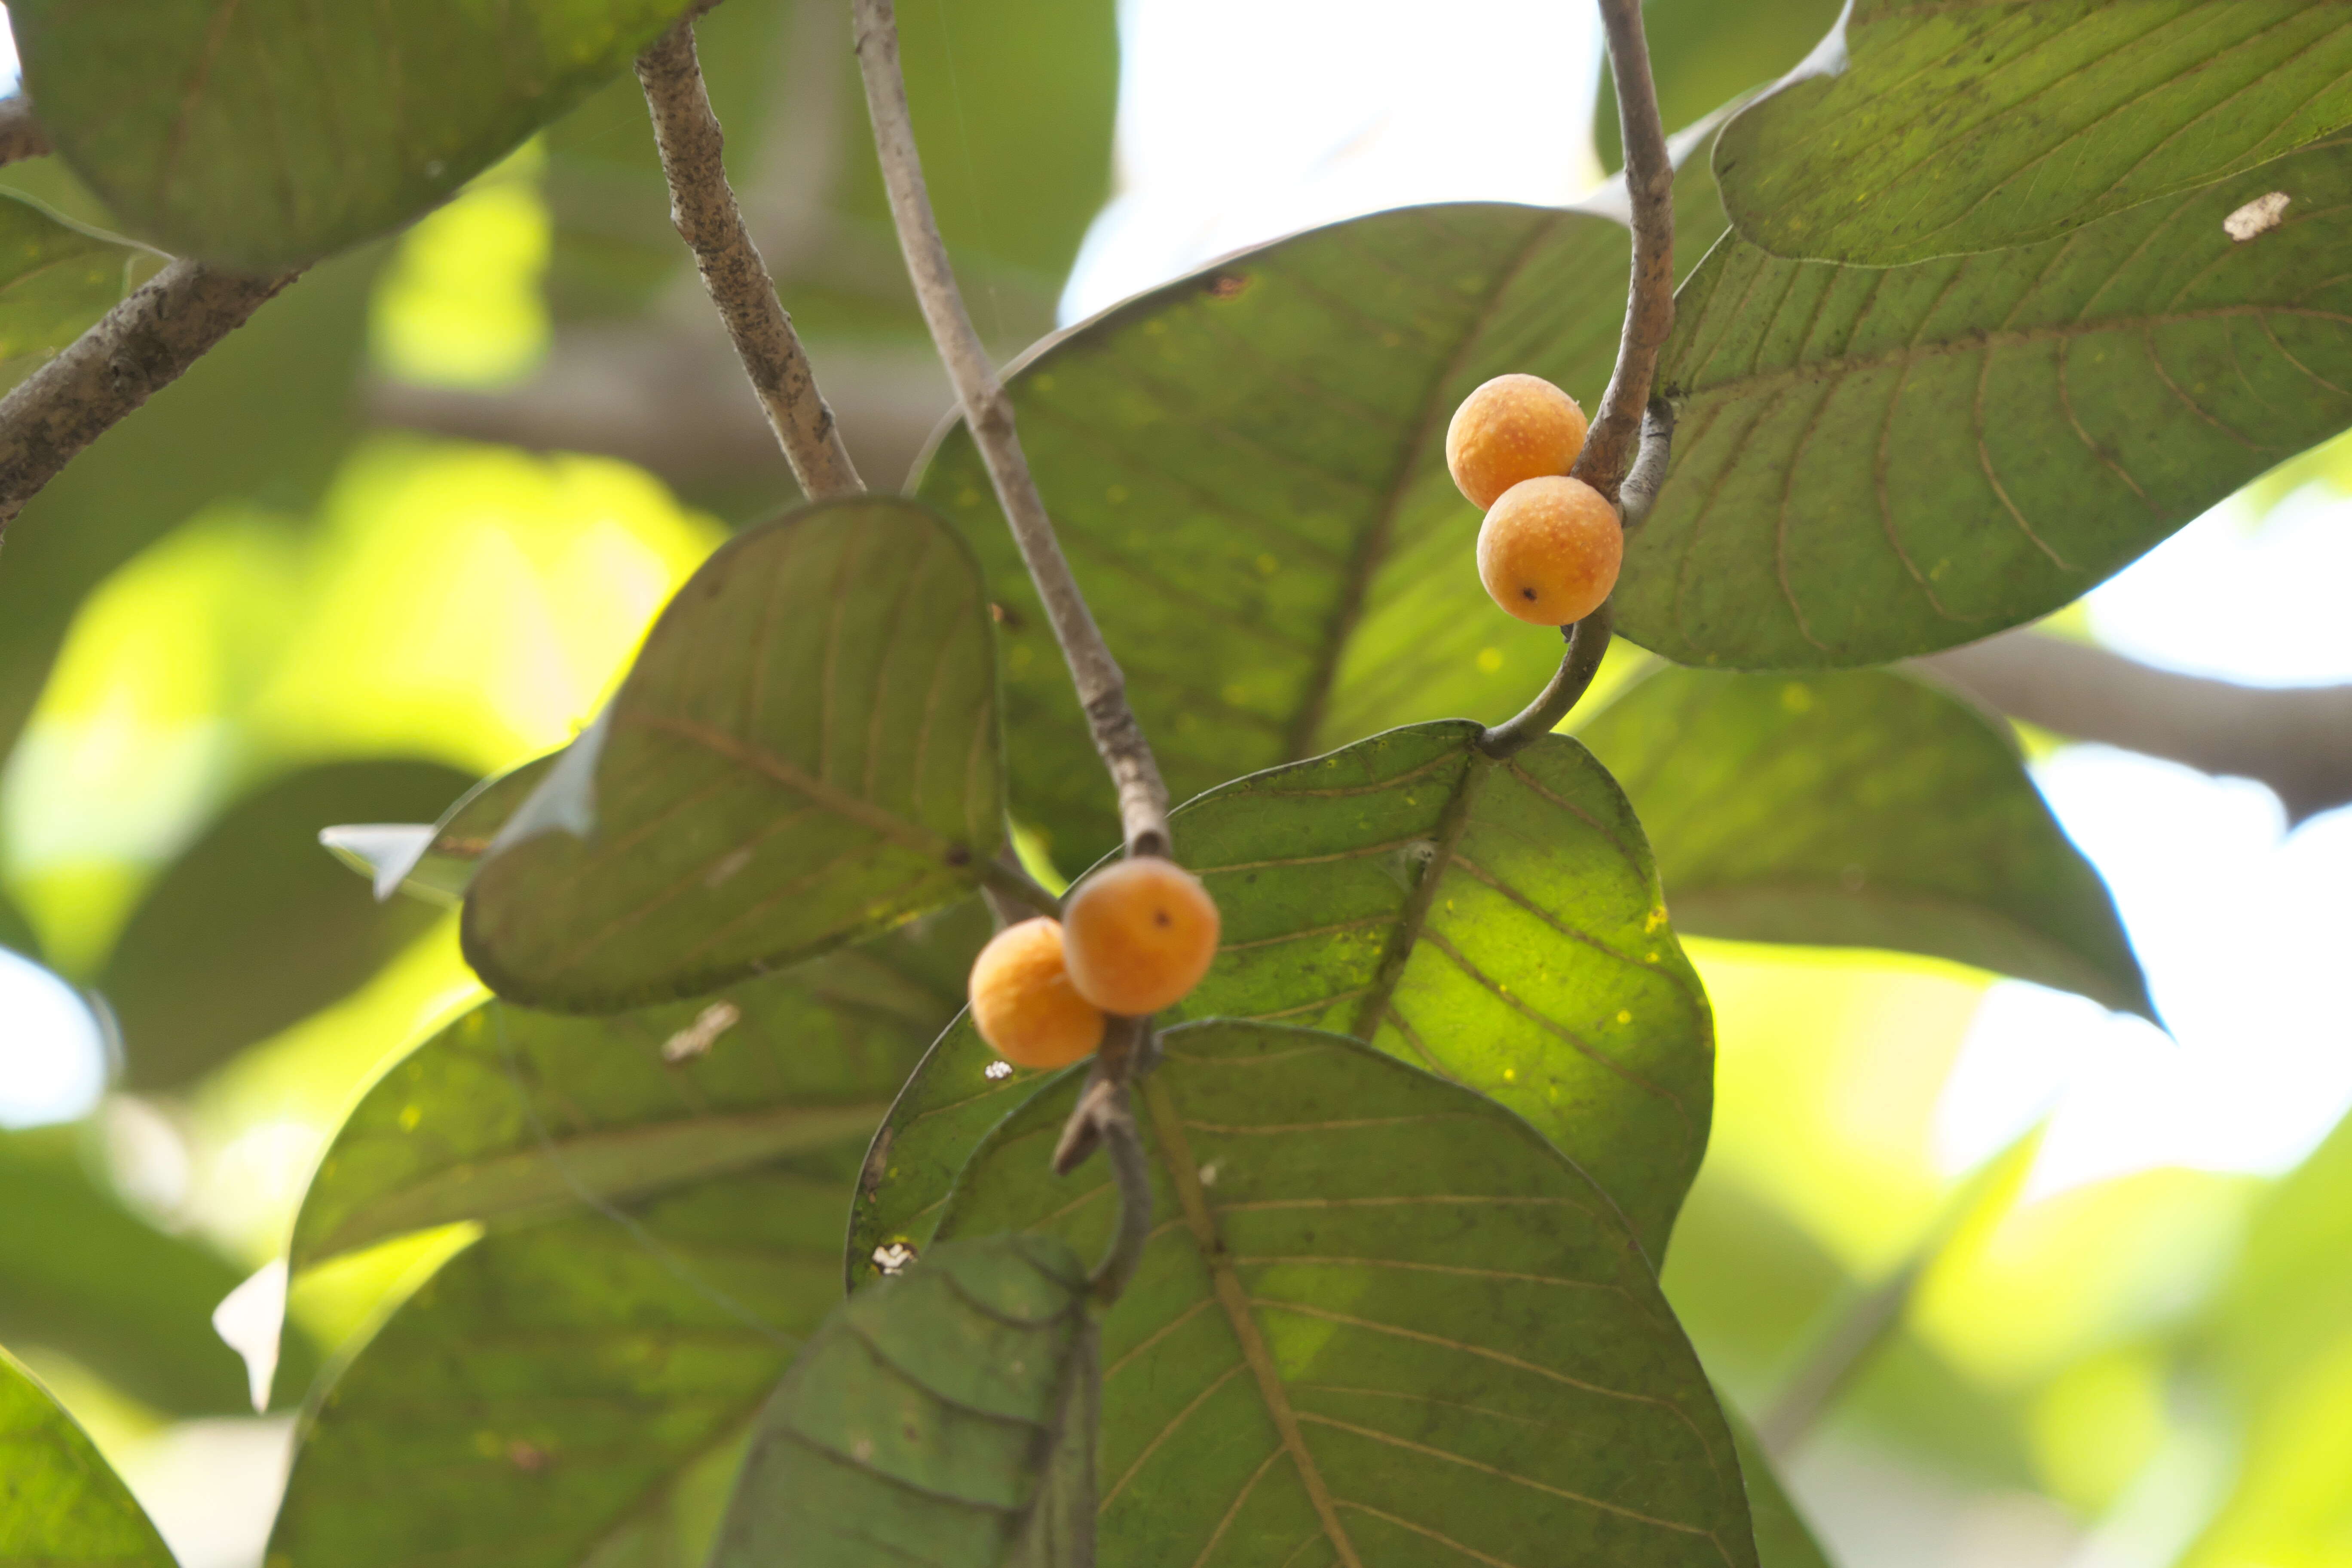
[(1183, 1174)]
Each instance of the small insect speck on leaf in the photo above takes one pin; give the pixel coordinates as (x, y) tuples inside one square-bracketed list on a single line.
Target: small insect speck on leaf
[(2257, 218), (702, 1033), (894, 1257), (1227, 286), (997, 1071)]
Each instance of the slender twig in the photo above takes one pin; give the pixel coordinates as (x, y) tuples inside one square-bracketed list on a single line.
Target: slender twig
[(1107, 1080), (1640, 491), (21, 135), (988, 414), (702, 204), (1124, 1147), (1588, 642), (1650, 297), (143, 344), (1013, 894)]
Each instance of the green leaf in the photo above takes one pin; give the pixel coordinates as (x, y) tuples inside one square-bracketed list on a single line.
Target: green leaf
[(1704, 53), (253, 929), (266, 134), (1499, 924), (804, 754), (61, 1503), (1378, 1310), (575, 1386), (945, 1416), (1939, 130), (771, 1067), (1874, 463), (1247, 471), (68, 1254), (56, 281), (1859, 809)]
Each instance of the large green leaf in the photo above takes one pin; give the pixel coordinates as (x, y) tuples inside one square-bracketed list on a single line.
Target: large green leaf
[(54, 281), (1247, 471), (661, 1225), (61, 1503), (265, 417), (1499, 924), (805, 752), (1941, 129), (1381, 1320), (80, 1273), (456, 1129), (1704, 53), (268, 133), (945, 1416), (1873, 463), (1859, 809), (253, 929)]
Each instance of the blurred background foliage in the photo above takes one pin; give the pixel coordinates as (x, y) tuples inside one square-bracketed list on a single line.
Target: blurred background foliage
[(344, 568)]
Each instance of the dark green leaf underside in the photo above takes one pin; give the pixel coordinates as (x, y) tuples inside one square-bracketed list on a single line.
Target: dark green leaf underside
[(804, 754), (509, 1116), (946, 1416), (1381, 1320), (1499, 924), (265, 134), (663, 1219), (60, 1505), (1875, 463), (1859, 809), (1962, 128), (1247, 471)]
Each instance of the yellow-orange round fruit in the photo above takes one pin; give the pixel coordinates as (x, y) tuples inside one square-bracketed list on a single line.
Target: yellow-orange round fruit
[(1550, 550), (1141, 934), (1513, 428), (1022, 1002)]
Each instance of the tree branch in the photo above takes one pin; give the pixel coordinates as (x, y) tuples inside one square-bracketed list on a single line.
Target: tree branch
[(2297, 739), (703, 207), (142, 346), (21, 135), (1587, 643), (1650, 296), (988, 413)]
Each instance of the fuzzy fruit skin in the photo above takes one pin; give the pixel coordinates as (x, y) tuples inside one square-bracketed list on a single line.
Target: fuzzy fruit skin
[(1550, 550), (1511, 428), (1022, 1002), (1141, 932)]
